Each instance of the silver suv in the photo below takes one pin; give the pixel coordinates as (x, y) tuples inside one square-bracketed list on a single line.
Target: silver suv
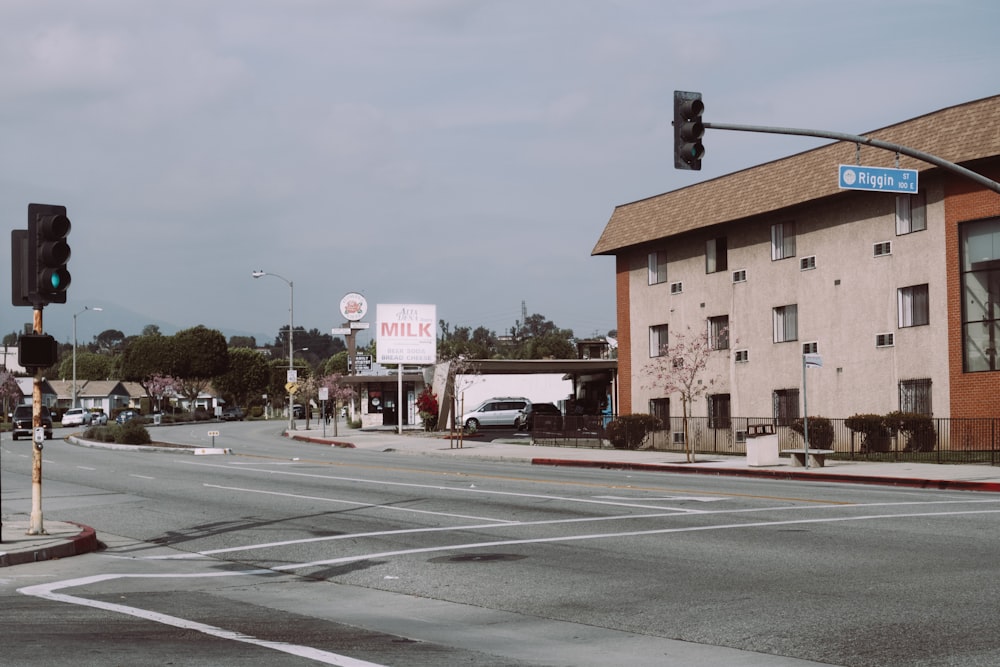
[(501, 411)]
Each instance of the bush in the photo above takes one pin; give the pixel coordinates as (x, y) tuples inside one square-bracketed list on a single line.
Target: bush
[(132, 433), (875, 435), (630, 431), (918, 430), (820, 432)]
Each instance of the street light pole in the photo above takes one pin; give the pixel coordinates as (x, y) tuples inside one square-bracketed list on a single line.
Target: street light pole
[(85, 309), (291, 327)]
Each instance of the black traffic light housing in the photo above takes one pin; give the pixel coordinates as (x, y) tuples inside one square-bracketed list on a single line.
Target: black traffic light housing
[(48, 254), (37, 351), (688, 130)]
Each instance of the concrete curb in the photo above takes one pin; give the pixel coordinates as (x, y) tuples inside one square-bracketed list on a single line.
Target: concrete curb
[(84, 542), (879, 480)]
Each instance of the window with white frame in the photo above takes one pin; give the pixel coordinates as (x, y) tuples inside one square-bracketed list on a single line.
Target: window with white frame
[(718, 332), (658, 340), (914, 306), (786, 406), (742, 356), (885, 340), (657, 267), (786, 323), (716, 255), (911, 213), (915, 396), (740, 276), (782, 240), (811, 347), (676, 288), (807, 263), (882, 249)]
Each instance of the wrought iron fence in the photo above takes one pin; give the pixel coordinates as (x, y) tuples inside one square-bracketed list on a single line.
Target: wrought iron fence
[(953, 440)]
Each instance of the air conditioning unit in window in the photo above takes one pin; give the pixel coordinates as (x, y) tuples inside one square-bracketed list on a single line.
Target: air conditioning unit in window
[(740, 276), (807, 263), (885, 340), (678, 437), (676, 288)]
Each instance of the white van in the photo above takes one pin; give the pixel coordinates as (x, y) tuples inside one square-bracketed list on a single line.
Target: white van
[(501, 411)]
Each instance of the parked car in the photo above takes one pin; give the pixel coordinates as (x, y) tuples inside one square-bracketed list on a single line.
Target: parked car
[(99, 417), (501, 411), (232, 413), (22, 418), (76, 417), (126, 416), (299, 411), (550, 414)]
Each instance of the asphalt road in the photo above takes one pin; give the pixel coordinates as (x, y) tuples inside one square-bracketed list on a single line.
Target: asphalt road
[(288, 553)]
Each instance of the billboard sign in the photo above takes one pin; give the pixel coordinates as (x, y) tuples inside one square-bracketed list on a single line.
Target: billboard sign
[(406, 333)]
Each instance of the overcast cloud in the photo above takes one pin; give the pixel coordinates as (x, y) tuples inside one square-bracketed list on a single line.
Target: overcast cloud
[(465, 154)]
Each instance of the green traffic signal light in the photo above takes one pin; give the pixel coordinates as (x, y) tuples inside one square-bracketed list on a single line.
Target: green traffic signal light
[(688, 130), (48, 228)]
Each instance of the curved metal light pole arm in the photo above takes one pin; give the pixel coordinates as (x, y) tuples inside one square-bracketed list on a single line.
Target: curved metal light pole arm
[(868, 141)]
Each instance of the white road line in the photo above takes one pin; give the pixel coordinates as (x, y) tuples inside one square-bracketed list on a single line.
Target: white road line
[(602, 536), (142, 477), (48, 592), (355, 503), (455, 489)]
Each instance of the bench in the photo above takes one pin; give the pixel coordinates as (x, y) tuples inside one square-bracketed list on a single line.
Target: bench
[(817, 457)]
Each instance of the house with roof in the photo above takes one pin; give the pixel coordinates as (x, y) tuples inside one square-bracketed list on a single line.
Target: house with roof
[(107, 395), (898, 294)]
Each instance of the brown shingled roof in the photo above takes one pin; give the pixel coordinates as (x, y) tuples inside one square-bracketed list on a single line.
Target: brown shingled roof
[(958, 134)]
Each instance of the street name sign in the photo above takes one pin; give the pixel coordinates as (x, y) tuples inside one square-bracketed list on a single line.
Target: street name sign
[(878, 179)]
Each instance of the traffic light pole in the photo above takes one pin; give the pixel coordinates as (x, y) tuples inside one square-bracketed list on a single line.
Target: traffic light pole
[(868, 141), (36, 527)]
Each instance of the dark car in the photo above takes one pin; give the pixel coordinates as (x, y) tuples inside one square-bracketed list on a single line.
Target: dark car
[(299, 411), (232, 414), (126, 416), (23, 422), (549, 417)]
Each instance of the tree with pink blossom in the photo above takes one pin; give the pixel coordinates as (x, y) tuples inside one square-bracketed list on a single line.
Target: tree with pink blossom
[(339, 393), (678, 370), (160, 386)]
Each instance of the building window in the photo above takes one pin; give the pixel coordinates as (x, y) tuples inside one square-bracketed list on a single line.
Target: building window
[(786, 406), (786, 323), (658, 340), (885, 340), (783, 240), (740, 276), (660, 408), (914, 309), (657, 267), (718, 411), (742, 356), (676, 288), (718, 332), (911, 213), (882, 249), (915, 396), (980, 295), (807, 263), (716, 255), (810, 348)]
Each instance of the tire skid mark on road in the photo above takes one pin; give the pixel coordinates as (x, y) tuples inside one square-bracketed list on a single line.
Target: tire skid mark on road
[(49, 592)]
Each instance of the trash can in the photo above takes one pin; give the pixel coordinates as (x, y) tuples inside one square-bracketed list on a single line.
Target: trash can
[(157, 419), (762, 446)]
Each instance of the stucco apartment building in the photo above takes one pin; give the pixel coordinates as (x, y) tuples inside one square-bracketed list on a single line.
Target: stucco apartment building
[(898, 294)]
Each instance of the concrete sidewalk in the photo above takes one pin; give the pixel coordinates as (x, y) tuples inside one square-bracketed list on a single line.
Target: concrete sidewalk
[(64, 539)]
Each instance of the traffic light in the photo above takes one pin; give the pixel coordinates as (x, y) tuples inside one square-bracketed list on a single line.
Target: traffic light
[(688, 130), (48, 228)]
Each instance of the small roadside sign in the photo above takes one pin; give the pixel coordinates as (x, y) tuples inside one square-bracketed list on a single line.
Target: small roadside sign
[(878, 179), (213, 434), (291, 387)]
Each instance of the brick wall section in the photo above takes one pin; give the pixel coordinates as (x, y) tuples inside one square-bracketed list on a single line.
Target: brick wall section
[(624, 335), (972, 394)]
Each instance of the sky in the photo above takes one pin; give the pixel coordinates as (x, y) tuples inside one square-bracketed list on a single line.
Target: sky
[(460, 153)]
